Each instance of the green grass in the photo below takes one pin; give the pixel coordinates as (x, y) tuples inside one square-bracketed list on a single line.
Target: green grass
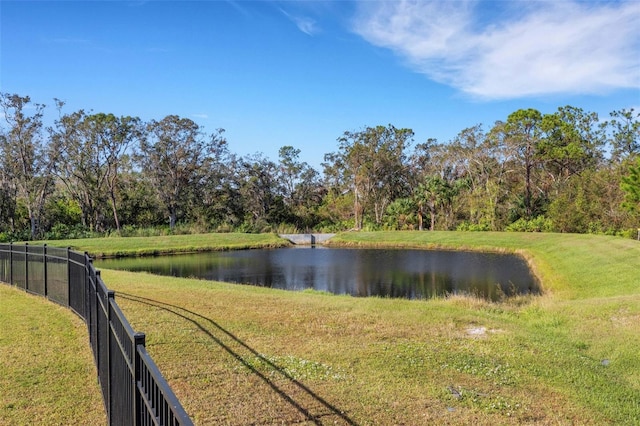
[(239, 355), (145, 246), (245, 355), (47, 374)]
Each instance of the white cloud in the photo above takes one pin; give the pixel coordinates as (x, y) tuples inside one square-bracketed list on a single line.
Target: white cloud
[(304, 24), (529, 49), (203, 116)]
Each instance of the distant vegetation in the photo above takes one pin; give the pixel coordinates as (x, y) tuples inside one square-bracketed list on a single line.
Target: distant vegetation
[(101, 174)]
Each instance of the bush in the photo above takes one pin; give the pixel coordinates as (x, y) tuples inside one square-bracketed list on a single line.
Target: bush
[(629, 233), (287, 228), (599, 229), (466, 226), (62, 231), (224, 228), (371, 227), (537, 224), (328, 227), (9, 236)]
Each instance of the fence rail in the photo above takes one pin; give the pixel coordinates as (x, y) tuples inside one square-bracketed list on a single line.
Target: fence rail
[(133, 389)]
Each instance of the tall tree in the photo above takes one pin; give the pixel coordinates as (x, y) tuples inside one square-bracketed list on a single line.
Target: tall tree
[(117, 135), (301, 185), (625, 134), (522, 134), (631, 186), (261, 193), (219, 203), (373, 163), (290, 169), (439, 195), (340, 192), (173, 154), (438, 176), (79, 165), (90, 150), (419, 168), (7, 201), (571, 142), (482, 165), (433, 193), (25, 160)]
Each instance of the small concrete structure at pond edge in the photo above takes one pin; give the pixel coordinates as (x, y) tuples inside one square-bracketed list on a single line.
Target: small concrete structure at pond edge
[(307, 239)]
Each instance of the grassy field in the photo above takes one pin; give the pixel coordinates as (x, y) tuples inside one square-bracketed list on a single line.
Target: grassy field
[(47, 374), (244, 355), (145, 246)]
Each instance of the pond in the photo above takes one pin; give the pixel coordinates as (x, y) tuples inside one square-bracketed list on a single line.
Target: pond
[(399, 273)]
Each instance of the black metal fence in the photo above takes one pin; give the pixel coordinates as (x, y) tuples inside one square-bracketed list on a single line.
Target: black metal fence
[(133, 389)]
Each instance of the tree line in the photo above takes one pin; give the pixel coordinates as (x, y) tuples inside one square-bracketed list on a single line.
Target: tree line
[(99, 173)]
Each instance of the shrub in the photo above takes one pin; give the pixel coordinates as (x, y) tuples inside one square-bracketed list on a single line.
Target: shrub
[(537, 224), (467, 226), (62, 231), (287, 228)]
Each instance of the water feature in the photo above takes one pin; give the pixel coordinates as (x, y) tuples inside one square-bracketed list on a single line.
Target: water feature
[(413, 274)]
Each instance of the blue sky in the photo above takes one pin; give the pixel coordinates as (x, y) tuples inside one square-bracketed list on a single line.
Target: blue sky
[(301, 73)]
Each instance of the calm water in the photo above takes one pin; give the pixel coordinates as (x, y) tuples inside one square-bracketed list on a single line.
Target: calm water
[(413, 274)]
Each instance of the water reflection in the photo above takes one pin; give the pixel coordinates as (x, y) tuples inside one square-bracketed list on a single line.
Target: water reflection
[(412, 274)]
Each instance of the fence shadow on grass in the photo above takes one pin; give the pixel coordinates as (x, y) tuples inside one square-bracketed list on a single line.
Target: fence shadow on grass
[(201, 322)]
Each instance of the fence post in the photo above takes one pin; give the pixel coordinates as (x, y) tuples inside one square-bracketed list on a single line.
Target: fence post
[(26, 266), (107, 395), (110, 299), (44, 264), (11, 263), (138, 339), (85, 288), (69, 278)]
